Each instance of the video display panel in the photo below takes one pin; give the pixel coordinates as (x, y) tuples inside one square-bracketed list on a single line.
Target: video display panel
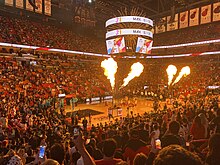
[(116, 45), (144, 46)]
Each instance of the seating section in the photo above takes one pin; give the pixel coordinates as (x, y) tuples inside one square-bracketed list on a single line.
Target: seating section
[(182, 120), (23, 31)]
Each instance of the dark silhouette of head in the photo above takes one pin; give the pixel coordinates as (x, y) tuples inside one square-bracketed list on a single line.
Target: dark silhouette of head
[(174, 127), (57, 153), (175, 154), (109, 147)]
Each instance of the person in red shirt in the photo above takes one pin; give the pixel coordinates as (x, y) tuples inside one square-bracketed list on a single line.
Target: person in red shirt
[(197, 130), (108, 150), (135, 146)]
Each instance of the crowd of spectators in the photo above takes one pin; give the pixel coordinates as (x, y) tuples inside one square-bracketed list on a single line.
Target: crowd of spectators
[(125, 139), (196, 50), (44, 75), (24, 31), (188, 35), (188, 129), (204, 72)]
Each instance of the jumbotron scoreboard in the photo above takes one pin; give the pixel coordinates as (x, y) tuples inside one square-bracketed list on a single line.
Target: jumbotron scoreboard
[(129, 35)]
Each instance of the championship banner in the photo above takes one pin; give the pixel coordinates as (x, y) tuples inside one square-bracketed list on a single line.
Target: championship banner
[(160, 27), (29, 6), (172, 25), (20, 4), (9, 2), (184, 19), (194, 17), (134, 19), (119, 32), (116, 45), (38, 3), (216, 11), (47, 5), (144, 46), (205, 14)]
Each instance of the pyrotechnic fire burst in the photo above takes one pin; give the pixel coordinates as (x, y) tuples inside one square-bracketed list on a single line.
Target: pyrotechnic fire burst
[(110, 68), (136, 70), (171, 72), (185, 71)]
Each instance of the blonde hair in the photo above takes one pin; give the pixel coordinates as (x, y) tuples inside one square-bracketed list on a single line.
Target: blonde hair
[(50, 162), (122, 163), (140, 159)]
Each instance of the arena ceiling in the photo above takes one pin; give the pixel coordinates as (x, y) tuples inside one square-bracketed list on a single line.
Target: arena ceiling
[(106, 9)]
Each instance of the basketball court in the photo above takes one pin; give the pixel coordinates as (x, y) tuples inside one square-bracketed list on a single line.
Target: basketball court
[(99, 111)]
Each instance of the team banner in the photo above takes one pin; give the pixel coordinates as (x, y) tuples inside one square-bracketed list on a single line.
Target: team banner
[(119, 32), (9, 2), (205, 14), (20, 4), (29, 6), (135, 19), (116, 45), (194, 17), (38, 3), (47, 5), (216, 11), (184, 19), (160, 27), (144, 46), (172, 24)]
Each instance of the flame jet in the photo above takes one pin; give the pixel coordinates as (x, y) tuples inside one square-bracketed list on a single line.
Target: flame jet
[(185, 71), (110, 68), (171, 72), (136, 70)]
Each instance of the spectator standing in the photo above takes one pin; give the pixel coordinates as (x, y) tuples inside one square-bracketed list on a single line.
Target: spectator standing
[(140, 159), (85, 122), (135, 146), (175, 154), (109, 148), (216, 122), (57, 153), (172, 135), (205, 123), (214, 150), (197, 130)]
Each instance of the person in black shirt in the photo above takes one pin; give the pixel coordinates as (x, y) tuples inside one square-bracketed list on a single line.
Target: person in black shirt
[(85, 122), (214, 149), (30, 156), (216, 122), (4, 148), (72, 119), (172, 135)]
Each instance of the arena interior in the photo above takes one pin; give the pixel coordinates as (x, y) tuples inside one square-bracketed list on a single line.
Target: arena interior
[(106, 82)]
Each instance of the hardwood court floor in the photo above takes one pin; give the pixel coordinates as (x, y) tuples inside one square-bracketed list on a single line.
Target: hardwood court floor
[(142, 107)]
